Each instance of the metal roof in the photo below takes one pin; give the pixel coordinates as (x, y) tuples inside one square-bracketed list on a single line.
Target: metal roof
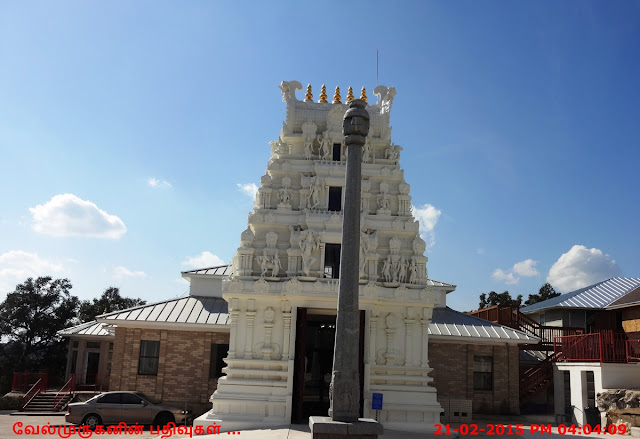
[(89, 328), (596, 296), (195, 310), (222, 270), (446, 322), (630, 299)]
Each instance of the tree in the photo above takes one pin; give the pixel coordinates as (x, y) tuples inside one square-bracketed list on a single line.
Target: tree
[(30, 318), (546, 292), (111, 300), (502, 299)]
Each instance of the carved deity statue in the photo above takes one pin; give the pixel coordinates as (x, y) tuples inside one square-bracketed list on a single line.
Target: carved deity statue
[(285, 195), (325, 144), (393, 153), (386, 269), (366, 151), (308, 243), (313, 199), (308, 149), (413, 269)]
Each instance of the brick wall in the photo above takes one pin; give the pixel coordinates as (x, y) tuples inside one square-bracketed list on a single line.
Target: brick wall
[(183, 366), (452, 374)]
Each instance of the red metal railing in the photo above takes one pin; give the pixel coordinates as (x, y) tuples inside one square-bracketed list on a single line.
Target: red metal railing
[(39, 386), (633, 351), (67, 389), (92, 382), (23, 381), (603, 347)]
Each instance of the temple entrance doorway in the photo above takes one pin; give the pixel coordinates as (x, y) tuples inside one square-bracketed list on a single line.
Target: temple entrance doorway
[(315, 337)]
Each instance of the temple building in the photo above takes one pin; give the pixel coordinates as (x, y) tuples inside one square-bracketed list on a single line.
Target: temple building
[(261, 331)]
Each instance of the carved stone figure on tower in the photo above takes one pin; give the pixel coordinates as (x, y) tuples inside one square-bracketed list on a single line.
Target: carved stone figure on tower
[(386, 269), (288, 89), (317, 185), (366, 152), (413, 268), (308, 244), (325, 144)]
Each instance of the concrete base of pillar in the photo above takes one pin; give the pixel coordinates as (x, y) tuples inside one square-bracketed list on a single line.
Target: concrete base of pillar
[(324, 428)]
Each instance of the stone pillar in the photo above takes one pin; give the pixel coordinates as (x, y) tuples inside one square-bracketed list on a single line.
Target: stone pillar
[(373, 327), (251, 315), (424, 322), (233, 316), (286, 329), (345, 381), (408, 339)]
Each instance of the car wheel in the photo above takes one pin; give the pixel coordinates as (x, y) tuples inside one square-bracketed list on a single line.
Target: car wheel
[(164, 418), (92, 420)]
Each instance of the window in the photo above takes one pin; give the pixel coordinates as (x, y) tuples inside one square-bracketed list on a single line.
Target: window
[(109, 398), (93, 345), (332, 261), (74, 361), (130, 398), (482, 373), (149, 354), (591, 389), (335, 199), (336, 152), (216, 363)]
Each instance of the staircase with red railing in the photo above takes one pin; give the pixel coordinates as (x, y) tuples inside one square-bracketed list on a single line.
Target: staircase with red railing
[(512, 317), (536, 379), (32, 393)]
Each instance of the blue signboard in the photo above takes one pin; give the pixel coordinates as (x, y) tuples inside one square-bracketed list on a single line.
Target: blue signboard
[(376, 401)]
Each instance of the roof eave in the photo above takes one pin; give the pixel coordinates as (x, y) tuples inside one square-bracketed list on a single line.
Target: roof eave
[(483, 340), (200, 327)]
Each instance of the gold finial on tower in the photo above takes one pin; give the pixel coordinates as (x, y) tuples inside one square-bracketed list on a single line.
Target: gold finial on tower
[(337, 97), (350, 95), (323, 94), (308, 96), (363, 95)]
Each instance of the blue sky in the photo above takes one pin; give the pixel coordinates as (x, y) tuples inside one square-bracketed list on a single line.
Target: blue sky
[(127, 127)]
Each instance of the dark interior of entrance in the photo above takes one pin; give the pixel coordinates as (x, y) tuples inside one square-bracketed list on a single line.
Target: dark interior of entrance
[(315, 337), (314, 364)]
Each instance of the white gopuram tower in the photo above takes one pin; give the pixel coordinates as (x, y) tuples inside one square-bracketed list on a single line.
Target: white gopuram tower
[(283, 289)]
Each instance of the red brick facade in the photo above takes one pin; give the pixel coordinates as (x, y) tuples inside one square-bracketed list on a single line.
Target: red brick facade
[(183, 366), (452, 374)]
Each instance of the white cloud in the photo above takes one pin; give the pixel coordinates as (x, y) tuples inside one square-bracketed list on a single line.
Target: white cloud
[(203, 260), (68, 215), (17, 265), (505, 277), (157, 183), (581, 267), (249, 189), (480, 251), (428, 217), (121, 271), (526, 268)]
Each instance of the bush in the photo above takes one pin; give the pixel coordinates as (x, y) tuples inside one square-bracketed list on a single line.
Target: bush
[(11, 402)]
